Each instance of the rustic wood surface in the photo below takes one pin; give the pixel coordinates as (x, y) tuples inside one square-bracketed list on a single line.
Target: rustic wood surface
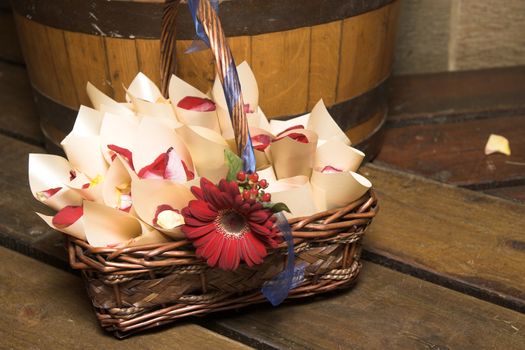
[(43, 308), (416, 99), (463, 239), (454, 153), (385, 310), (9, 47), (17, 111)]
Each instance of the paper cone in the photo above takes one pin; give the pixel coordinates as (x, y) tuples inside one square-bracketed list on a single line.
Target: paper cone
[(115, 184), (88, 122), (278, 126), (333, 190), (143, 88), (324, 125), (338, 155), (75, 230), (296, 193), (149, 194), (85, 155), (148, 236), (88, 189), (98, 98), (292, 158), (48, 171), (119, 130), (207, 149)]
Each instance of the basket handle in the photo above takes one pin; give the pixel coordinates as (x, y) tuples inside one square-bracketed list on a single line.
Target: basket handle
[(203, 12), (168, 33)]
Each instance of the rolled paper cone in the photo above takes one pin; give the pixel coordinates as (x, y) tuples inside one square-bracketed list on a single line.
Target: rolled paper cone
[(108, 227), (178, 89), (143, 88), (250, 90), (292, 158), (225, 122), (114, 184), (334, 190), (88, 189), (48, 171), (149, 194), (207, 150), (258, 120), (149, 235), (153, 109), (338, 155), (75, 230), (324, 125), (278, 126), (296, 193), (88, 122), (120, 130), (153, 139), (195, 118), (98, 98), (84, 154)]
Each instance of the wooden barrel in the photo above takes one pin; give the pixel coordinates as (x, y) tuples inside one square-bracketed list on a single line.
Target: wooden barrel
[(300, 51)]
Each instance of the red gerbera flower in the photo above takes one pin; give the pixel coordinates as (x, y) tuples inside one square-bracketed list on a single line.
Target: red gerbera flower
[(225, 228)]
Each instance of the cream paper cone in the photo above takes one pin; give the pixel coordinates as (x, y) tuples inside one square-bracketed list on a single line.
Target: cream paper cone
[(148, 194), (108, 227), (278, 126), (324, 125), (85, 155), (296, 193), (258, 120), (93, 192), (88, 122), (162, 108), (75, 230), (153, 139), (116, 177), (48, 171), (98, 98), (148, 236), (292, 158), (262, 158), (143, 88), (268, 174), (119, 130), (338, 155), (334, 190), (207, 150), (194, 118)]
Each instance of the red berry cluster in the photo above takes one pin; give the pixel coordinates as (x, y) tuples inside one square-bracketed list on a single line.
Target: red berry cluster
[(252, 187)]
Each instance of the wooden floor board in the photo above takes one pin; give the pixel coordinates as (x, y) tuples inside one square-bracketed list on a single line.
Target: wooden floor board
[(45, 308), (385, 310)]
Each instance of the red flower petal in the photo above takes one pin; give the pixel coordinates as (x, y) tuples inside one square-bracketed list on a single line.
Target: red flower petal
[(175, 169), (259, 229), (190, 175), (230, 255), (72, 175), (160, 209), (156, 169), (124, 152), (191, 221), (330, 169), (43, 195), (196, 232), (259, 216), (67, 216), (295, 127), (295, 136), (260, 142), (192, 103), (247, 108), (201, 211)]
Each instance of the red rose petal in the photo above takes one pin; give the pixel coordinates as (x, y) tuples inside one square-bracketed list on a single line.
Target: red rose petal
[(260, 142), (247, 108), (86, 186), (295, 136), (330, 169), (160, 209), (43, 195), (198, 104), (156, 169), (72, 175), (295, 127), (190, 175), (124, 152), (67, 216)]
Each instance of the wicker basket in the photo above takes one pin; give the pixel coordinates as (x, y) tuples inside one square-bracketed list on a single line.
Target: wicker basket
[(134, 289)]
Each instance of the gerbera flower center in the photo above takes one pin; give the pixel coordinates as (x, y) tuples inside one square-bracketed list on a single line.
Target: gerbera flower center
[(231, 223)]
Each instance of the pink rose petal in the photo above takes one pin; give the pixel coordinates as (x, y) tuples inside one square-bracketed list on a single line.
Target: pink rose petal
[(156, 169), (330, 169), (198, 104), (67, 216), (247, 108), (175, 170), (167, 166)]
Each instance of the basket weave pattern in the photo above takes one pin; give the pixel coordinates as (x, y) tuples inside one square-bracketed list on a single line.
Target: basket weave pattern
[(137, 288)]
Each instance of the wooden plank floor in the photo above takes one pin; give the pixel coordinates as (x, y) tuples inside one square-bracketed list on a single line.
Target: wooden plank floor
[(46, 308), (439, 124)]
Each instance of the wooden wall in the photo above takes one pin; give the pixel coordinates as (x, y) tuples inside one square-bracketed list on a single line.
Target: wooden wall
[(448, 35)]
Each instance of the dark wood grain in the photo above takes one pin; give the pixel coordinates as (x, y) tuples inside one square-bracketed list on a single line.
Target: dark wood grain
[(438, 97), (385, 310), (514, 193), (456, 237), (45, 308), (18, 116), (454, 152), (9, 47)]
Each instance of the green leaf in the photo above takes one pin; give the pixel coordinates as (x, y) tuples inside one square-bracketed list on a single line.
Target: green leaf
[(234, 164), (277, 207)]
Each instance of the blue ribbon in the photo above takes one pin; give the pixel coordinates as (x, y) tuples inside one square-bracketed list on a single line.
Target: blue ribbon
[(277, 289)]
